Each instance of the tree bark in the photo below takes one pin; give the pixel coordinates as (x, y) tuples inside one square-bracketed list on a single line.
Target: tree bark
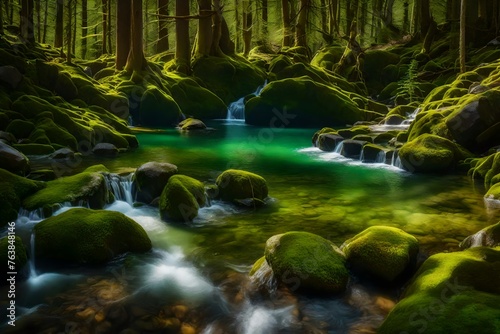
[(110, 28), (324, 23), (26, 21), (237, 20), (38, 20), (333, 23), (182, 49), (136, 61), (123, 31), (463, 18), (285, 8), (69, 31), (300, 32), (84, 29), (104, 49), (204, 34), (59, 24), (265, 18), (162, 44), (247, 27), (45, 17), (425, 17), (73, 38), (215, 49), (1, 18), (226, 44)]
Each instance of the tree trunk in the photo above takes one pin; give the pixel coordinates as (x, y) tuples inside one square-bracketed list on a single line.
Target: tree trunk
[(285, 8), (73, 39), (45, 17), (104, 27), (425, 17), (237, 20), (182, 48), (162, 44), (363, 17), (389, 6), (1, 18), (110, 29), (323, 10), (406, 17), (59, 24), (204, 34), (215, 49), (123, 31), (416, 17), (247, 27), (265, 18), (226, 44), (84, 29), (334, 26), (300, 32), (463, 19), (26, 21), (11, 14), (136, 61), (69, 31), (38, 20)]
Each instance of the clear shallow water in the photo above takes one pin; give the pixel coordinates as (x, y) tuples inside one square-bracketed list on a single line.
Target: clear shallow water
[(204, 267)]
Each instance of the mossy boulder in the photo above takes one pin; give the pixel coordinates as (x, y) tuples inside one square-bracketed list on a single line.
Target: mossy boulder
[(14, 189), (105, 150), (56, 134), (308, 261), (430, 154), (235, 184), (216, 72), (373, 153), (301, 102), (486, 168), (34, 149), (13, 160), (191, 124), (39, 137), (88, 187), (488, 236), (450, 293), (314, 139), (88, 236), (328, 142), (381, 252), (17, 256), (373, 67), (20, 128), (150, 179), (181, 198), (157, 109), (493, 192), (328, 57)]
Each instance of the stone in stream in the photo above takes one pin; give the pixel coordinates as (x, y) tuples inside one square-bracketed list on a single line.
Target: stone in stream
[(488, 236), (150, 179), (352, 148), (13, 160), (191, 124), (238, 184), (181, 198), (328, 142), (105, 150)]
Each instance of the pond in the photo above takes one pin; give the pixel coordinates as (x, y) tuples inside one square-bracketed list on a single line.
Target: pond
[(196, 277)]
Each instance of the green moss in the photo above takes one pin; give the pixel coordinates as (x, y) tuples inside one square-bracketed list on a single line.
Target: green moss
[(382, 252), (18, 256), (88, 236), (374, 63), (319, 132), (88, 187), (328, 57), (301, 102), (279, 63), (181, 198), (191, 124), (158, 109), (56, 134), (488, 236), (238, 184), (20, 129), (430, 153), (451, 293), (65, 87), (34, 149), (493, 192), (486, 168), (257, 265), (355, 130), (39, 137), (14, 189), (150, 179), (426, 122), (106, 134), (308, 261)]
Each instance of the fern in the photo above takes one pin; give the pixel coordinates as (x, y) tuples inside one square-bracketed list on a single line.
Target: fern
[(408, 85)]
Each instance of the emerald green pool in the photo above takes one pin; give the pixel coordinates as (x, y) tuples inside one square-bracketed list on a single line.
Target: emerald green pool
[(310, 191)]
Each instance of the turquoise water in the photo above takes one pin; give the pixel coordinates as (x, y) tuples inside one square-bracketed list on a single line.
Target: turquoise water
[(204, 267)]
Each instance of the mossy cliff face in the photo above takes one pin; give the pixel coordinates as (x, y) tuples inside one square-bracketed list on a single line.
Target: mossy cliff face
[(451, 293), (381, 252), (14, 190), (181, 198), (88, 236), (306, 261)]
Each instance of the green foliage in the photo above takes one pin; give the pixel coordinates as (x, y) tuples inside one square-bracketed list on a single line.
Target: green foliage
[(408, 85)]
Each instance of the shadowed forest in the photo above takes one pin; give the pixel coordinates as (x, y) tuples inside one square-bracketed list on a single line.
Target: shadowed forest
[(250, 166)]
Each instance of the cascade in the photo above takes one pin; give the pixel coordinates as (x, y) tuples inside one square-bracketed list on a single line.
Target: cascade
[(32, 256), (236, 110), (121, 187)]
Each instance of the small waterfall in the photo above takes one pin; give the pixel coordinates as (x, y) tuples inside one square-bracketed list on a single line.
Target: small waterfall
[(381, 156), (121, 187), (35, 215), (396, 161), (236, 110), (339, 148), (32, 256)]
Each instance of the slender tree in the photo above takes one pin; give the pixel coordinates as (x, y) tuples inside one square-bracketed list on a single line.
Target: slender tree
[(104, 49), (74, 27), (300, 29), (110, 28), (1, 18), (204, 34), (58, 43), (84, 28), (463, 20), (45, 18), (182, 49), (215, 49), (425, 17), (69, 30), (26, 21), (285, 14), (265, 18), (123, 30), (38, 20), (333, 23), (136, 61), (162, 44), (247, 27)]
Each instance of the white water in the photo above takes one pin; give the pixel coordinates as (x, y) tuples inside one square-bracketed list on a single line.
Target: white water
[(403, 126), (236, 110), (32, 256), (121, 187)]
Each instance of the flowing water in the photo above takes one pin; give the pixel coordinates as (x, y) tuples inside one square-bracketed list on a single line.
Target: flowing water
[(196, 277)]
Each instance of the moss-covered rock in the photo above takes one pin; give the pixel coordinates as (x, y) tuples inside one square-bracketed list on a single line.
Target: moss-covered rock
[(34, 149), (301, 102), (328, 142), (105, 150), (88, 236), (373, 153), (236, 184), (20, 128), (486, 168), (13, 160), (181, 198), (430, 153), (150, 179), (493, 192), (56, 134), (15, 254), (191, 124), (488, 236), (157, 109), (314, 139), (381, 252), (307, 261), (39, 137), (88, 187), (451, 293), (14, 189), (328, 57), (374, 63)]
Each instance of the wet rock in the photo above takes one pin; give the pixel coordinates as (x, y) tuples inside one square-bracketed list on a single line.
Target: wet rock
[(105, 150), (328, 142), (63, 153), (238, 184), (181, 198), (191, 124), (13, 160), (150, 179), (352, 148), (394, 120), (8, 137), (488, 236), (11, 76)]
